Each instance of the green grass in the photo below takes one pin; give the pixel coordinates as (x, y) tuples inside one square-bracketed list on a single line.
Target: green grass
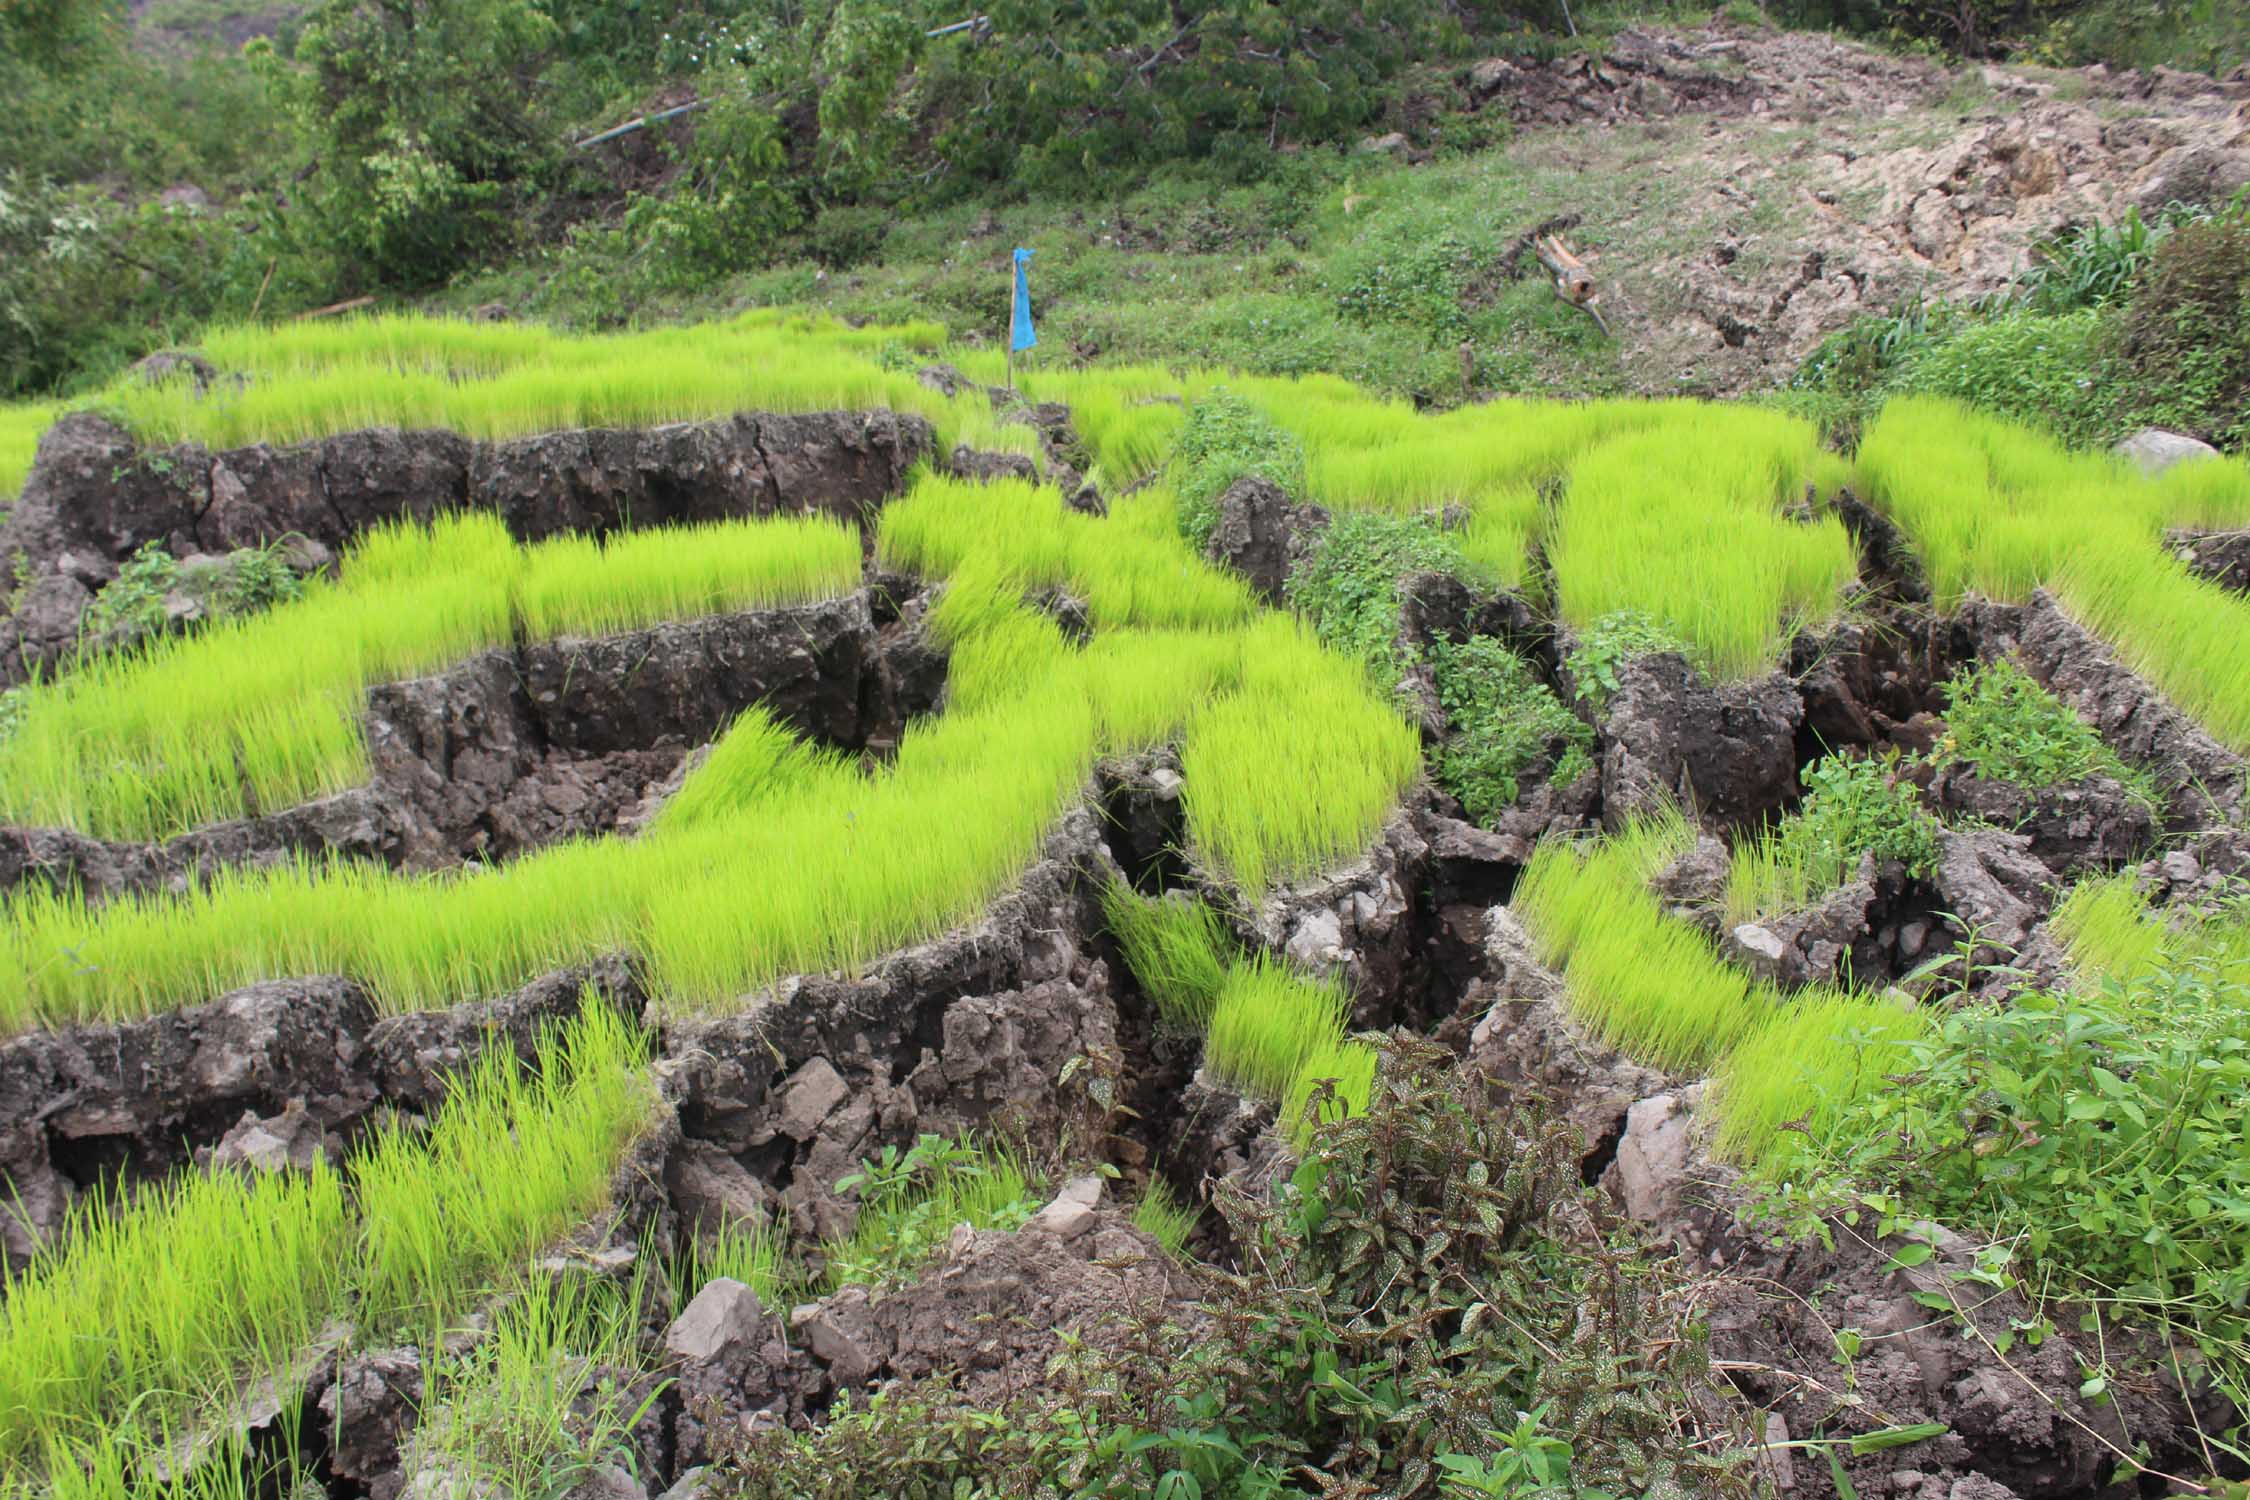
[(209, 1282), (536, 1404), (1799, 1069), (1179, 949), (2002, 511), (260, 712), (1268, 1024), (20, 430), (757, 1255), (1162, 1216)]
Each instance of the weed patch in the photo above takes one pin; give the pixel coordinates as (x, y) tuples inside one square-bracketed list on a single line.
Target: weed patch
[(2004, 725), (1854, 808), (1223, 440), (910, 1200), (1507, 726), (1347, 587)]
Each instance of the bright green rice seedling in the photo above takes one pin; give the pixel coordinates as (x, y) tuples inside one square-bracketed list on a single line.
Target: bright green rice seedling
[(261, 712), (757, 1255), (1165, 1218), (1268, 1024), (20, 430), (1643, 983), (2002, 511), (910, 1201), (1802, 1066), (1178, 948), (514, 1157), (537, 1404), (2108, 931), (1683, 523), (156, 1313), (1298, 764), (756, 763)]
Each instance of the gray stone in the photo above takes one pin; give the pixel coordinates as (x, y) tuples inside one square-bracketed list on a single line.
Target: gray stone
[(809, 1098), (608, 1482), (1755, 939), (689, 1486), (2154, 450), (1653, 1156), (1064, 1219), (720, 1325)]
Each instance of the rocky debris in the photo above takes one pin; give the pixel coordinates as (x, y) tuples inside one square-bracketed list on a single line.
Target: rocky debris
[(2221, 556), (1526, 1040), (732, 1364), (1209, 1130), (1145, 818), (1995, 888), (1886, 558), (370, 1406), (1863, 680), (94, 496), (2152, 450), (974, 1029), (2016, 1423), (1262, 534), (2092, 825), (172, 364), (1639, 74), (1361, 923), (983, 467), (1671, 738), (515, 749), (2199, 875), (1836, 938), (1694, 886), (997, 1308), (2201, 778), (290, 1141)]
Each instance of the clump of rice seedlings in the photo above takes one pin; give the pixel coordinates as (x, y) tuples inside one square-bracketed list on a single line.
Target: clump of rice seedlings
[(1807, 1059), (1300, 764), (580, 586), (157, 1313), (1642, 982), (2208, 494), (1127, 416), (2108, 930), (2002, 511), (543, 1398), (1164, 1217), (1129, 573), (910, 1201), (109, 1468), (1268, 1023), (1683, 523), (1347, 1069), (21, 427), (1178, 948), (261, 712), (755, 1254), (513, 1157), (755, 763)]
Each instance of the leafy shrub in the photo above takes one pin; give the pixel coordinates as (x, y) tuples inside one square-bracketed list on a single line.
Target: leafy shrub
[(1507, 725), (1347, 586), (2009, 728), (2037, 369), (133, 604), (1853, 807), (1430, 1298), (2097, 1133), (1605, 648), (1418, 283), (2182, 343), (1224, 439), (2091, 265)]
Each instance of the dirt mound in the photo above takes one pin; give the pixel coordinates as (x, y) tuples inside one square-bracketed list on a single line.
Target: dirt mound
[(1805, 180)]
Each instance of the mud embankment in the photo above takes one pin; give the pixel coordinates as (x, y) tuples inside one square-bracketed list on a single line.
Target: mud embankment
[(95, 496)]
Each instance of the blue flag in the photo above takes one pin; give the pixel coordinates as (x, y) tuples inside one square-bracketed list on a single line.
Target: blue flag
[(1020, 334)]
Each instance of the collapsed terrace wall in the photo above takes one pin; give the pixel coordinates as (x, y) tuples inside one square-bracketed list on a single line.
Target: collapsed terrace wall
[(95, 495), (517, 748)]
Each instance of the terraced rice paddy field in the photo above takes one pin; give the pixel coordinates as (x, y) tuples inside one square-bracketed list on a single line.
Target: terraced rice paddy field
[(710, 811)]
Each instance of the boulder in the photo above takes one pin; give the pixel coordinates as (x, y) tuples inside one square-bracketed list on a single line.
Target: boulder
[(2153, 450)]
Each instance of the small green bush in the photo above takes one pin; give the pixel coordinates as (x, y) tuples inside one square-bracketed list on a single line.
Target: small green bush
[(1507, 726), (2009, 728), (1608, 644), (1853, 807), (1224, 439), (1348, 585), (2033, 368), (2181, 344)]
